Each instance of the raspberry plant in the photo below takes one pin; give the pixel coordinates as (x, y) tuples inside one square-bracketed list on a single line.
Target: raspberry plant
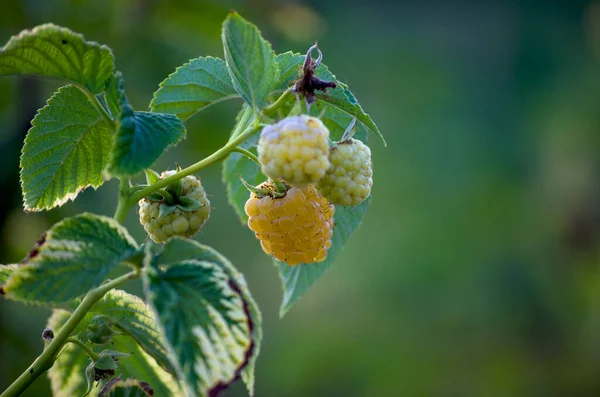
[(197, 328)]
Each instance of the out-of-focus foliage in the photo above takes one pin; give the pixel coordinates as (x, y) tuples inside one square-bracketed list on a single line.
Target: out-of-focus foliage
[(476, 271)]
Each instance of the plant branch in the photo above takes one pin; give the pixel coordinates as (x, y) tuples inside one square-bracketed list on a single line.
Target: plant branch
[(246, 153), (213, 158), (241, 124), (271, 110), (82, 345), (123, 204), (45, 360)]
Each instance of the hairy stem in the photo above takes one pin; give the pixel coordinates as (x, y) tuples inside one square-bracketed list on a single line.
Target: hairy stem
[(213, 158), (45, 360), (242, 123), (83, 346), (123, 204), (247, 153), (271, 110)]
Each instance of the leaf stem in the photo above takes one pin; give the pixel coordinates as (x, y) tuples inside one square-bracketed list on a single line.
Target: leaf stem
[(45, 360), (82, 345), (271, 110), (123, 205), (99, 109), (241, 124), (246, 153), (213, 158)]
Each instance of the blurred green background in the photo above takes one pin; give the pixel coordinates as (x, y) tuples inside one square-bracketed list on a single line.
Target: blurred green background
[(476, 271)]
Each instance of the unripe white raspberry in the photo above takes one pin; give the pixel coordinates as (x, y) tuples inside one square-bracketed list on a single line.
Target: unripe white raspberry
[(295, 149)]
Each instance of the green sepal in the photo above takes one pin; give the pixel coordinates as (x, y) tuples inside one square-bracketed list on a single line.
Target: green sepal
[(154, 196), (188, 204), (176, 188), (90, 375), (151, 176), (165, 209)]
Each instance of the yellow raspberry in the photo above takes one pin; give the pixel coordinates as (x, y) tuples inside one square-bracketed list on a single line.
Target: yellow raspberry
[(180, 221), (296, 228), (349, 180), (295, 149)]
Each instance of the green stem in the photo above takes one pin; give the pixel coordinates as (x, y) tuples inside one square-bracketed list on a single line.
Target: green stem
[(45, 360), (123, 204), (82, 345), (213, 158), (242, 123), (271, 110), (247, 153)]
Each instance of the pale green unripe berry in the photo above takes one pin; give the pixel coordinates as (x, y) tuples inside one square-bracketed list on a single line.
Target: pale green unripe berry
[(349, 180), (179, 222)]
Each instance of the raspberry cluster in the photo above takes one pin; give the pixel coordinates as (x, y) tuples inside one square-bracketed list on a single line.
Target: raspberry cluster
[(295, 228), (180, 221)]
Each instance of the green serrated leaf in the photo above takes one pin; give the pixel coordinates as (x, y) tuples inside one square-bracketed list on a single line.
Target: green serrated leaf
[(5, 272), (74, 256), (67, 375), (56, 52), (141, 365), (250, 60), (141, 136), (193, 87), (340, 98), (132, 387), (297, 279), (132, 316), (65, 151), (290, 69), (210, 321), (139, 145)]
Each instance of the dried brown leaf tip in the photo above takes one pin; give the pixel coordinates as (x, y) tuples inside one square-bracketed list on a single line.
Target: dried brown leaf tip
[(309, 83)]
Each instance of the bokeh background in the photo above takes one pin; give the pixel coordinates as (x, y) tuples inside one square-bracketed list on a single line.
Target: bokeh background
[(476, 271)]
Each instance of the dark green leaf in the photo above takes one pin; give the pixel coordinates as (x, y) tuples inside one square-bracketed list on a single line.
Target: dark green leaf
[(71, 258), (250, 60), (297, 279), (139, 145), (210, 321), (56, 52), (65, 151), (141, 136), (194, 86)]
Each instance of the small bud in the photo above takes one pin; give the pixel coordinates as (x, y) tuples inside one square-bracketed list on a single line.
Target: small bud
[(48, 335)]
